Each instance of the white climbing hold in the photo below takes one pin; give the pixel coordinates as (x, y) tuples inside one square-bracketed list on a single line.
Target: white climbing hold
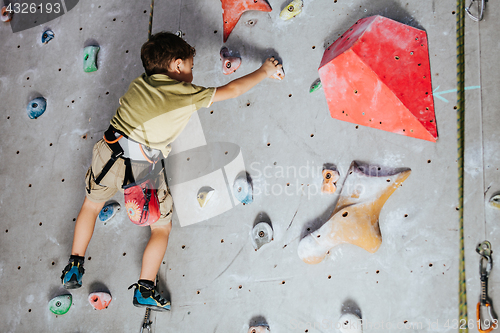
[(262, 234), (350, 323)]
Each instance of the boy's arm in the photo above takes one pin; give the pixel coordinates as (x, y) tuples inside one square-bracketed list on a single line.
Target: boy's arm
[(240, 86)]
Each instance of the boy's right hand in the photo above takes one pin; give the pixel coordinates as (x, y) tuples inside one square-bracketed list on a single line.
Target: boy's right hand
[(271, 66)]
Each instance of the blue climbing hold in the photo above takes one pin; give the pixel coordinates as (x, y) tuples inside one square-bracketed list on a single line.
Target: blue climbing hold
[(36, 107), (108, 212), (47, 36), (242, 189)]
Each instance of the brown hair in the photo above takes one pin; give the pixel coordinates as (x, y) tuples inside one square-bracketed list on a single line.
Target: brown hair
[(163, 48)]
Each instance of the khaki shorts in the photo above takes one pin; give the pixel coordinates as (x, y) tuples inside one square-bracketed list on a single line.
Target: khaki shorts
[(113, 181)]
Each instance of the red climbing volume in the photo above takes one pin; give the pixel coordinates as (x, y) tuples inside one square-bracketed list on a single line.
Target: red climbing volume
[(377, 74), (232, 10)]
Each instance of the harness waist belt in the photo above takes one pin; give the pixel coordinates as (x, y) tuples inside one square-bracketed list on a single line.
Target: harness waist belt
[(137, 151)]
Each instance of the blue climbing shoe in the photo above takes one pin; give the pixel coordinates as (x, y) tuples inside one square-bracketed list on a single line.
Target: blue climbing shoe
[(145, 296), (72, 274)]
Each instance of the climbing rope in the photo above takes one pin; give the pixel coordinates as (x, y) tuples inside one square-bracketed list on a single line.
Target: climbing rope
[(462, 308), (151, 18)]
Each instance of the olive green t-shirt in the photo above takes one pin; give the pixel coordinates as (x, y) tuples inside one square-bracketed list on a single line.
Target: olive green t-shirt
[(155, 109)]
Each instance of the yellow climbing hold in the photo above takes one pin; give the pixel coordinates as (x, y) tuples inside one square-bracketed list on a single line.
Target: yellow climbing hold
[(204, 195), (291, 10)]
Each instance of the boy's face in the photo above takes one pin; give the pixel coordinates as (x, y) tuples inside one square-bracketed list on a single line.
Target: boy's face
[(182, 70)]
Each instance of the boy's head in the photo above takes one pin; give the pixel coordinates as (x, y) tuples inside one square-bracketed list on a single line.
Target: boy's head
[(166, 53)]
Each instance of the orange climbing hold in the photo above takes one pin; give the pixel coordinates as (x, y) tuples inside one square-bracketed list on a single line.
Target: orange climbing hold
[(99, 300), (232, 10), (330, 178), (377, 74)]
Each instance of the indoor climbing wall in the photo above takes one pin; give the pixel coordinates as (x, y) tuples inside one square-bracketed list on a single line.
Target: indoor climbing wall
[(60, 81)]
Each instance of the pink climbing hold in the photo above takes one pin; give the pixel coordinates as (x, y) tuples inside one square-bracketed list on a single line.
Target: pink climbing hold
[(230, 63), (99, 300)]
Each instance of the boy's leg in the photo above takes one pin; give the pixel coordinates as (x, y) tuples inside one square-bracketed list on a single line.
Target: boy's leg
[(146, 294), (84, 226), (158, 241), (96, 196), (155, 251)]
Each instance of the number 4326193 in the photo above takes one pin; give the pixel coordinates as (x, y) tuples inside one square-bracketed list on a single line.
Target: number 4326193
[(463, 324), (31, 8)]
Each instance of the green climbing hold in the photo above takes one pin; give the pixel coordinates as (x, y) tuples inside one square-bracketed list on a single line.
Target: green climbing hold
[(90, 58), (59, 305), (315, 86)]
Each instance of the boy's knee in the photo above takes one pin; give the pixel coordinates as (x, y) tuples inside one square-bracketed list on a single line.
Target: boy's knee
[(165, 228), (92, 205)]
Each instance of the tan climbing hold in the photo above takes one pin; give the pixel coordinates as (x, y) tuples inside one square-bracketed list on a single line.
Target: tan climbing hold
[(355, 219)]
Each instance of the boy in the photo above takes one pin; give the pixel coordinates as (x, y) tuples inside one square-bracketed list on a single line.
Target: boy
[(152, 113)]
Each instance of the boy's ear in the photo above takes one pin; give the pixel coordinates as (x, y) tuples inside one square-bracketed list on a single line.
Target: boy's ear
[(177, 65)]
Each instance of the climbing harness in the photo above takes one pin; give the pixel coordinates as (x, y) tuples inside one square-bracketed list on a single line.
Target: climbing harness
[(462, 309), (141, 199), (480, 5), (485, 265)]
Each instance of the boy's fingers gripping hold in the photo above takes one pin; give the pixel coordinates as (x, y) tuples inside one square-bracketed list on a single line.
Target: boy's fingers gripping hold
[(278, 74), (274, 69)]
